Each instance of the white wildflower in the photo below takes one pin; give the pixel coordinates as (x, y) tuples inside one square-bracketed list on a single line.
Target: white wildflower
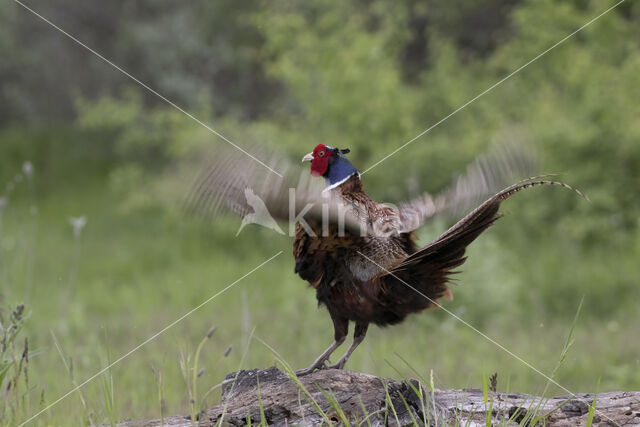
[(27, 168), (78, 224)]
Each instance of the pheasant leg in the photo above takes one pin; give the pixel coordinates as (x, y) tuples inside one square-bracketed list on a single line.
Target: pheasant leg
[(358, 337), (341, 328), (319, 363)]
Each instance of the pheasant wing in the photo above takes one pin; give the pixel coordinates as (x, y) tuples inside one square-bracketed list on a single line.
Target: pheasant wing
[(286, 191), (485, 176)]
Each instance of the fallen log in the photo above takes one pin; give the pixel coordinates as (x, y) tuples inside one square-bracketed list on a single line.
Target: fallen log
[(337, 396)]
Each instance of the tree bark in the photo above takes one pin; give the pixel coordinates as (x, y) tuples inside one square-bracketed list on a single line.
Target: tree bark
[(334, 395)]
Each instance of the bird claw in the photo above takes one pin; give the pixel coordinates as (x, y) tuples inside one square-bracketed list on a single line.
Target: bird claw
[(339, 365), (321, 366), (305, 371), (313, 368)]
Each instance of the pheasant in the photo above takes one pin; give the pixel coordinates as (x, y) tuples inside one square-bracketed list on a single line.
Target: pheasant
[(360, 256)]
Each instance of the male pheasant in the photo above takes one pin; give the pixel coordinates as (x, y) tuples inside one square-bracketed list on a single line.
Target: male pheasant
[(359, 255)]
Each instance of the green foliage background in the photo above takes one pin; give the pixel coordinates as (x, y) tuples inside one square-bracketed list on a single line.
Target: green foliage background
[(368, 75)]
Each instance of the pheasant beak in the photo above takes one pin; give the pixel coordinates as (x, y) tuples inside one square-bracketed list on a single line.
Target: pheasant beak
[(307, 157)]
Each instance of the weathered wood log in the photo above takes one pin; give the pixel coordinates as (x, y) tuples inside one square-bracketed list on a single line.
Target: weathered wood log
[(330, 396)]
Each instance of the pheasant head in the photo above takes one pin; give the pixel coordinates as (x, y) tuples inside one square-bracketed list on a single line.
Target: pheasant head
[(330, 163)]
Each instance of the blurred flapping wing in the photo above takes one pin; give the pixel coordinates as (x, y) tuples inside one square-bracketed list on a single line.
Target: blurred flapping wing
[(222, 187), (487, 175)]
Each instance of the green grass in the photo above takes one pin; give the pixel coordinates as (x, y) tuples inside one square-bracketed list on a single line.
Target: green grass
[(137, 270)]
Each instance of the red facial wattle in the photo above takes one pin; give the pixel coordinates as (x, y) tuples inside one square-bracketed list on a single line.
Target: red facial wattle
[(320, 162), (319, 166)]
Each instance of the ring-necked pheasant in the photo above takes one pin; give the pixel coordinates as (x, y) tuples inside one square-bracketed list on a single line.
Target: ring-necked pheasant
[(361, 256)]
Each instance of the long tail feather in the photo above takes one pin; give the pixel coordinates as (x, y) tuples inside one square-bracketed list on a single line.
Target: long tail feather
[(429, 268), (501, 197)]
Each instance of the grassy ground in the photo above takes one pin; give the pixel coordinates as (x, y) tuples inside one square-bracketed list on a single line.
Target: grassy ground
[(133, 272)]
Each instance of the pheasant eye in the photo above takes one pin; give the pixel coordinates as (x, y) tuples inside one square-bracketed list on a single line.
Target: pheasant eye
[(321, 153)]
